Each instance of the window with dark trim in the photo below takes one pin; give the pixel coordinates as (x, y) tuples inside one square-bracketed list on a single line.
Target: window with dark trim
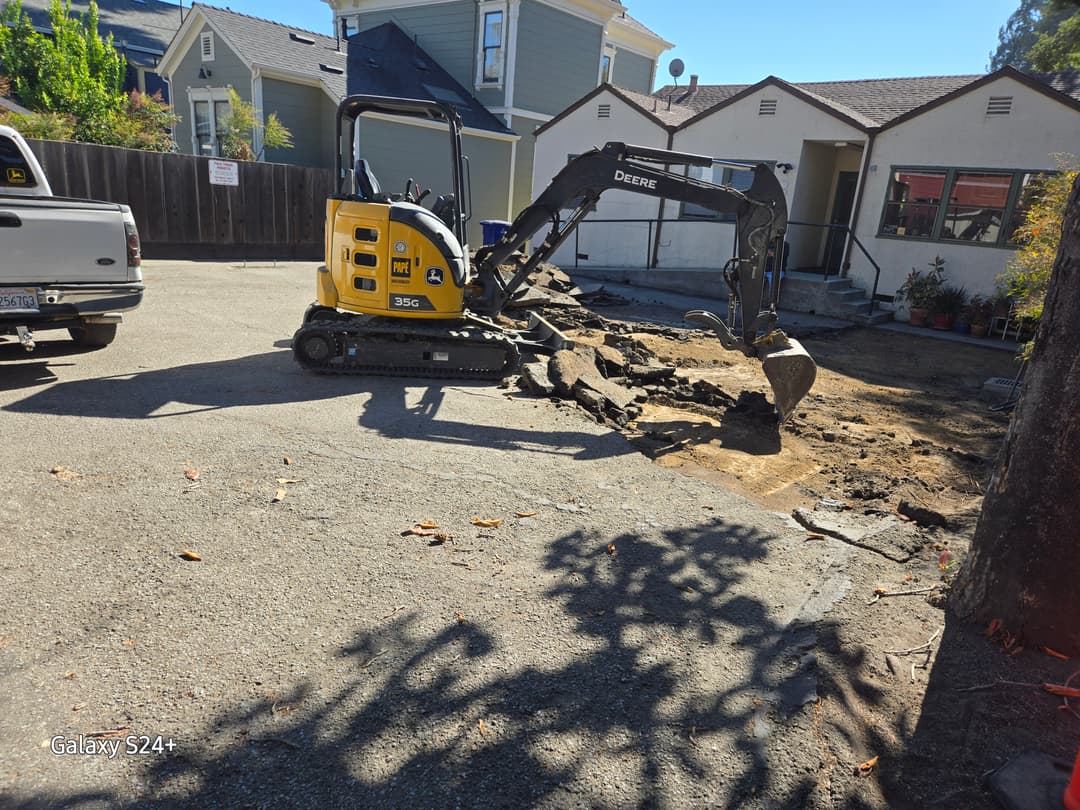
[(493, 42), (983, 206), (739, 179)]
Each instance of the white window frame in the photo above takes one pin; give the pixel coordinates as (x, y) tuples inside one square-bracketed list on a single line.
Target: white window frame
[(484, 8), (209, 95), (206, 46)]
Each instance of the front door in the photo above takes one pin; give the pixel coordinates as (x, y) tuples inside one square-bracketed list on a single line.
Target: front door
[(841, 215)]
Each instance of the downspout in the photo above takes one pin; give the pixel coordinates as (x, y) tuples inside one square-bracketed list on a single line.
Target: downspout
[(863, 173), (660, 212), (509, 66), (257, 103)]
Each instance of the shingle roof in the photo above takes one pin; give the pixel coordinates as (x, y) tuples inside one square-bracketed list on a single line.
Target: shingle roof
[(269, 44), (671, 114), (637, 25), (150, 24), (870, 102), (385, 61)]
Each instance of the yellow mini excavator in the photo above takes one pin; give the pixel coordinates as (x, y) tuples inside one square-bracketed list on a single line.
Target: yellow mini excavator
[(398, 294)]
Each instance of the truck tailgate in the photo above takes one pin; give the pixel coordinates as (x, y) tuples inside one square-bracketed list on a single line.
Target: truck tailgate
[(58, 240)]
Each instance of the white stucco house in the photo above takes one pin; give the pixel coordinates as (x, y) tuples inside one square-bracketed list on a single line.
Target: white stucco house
[(915, 168)]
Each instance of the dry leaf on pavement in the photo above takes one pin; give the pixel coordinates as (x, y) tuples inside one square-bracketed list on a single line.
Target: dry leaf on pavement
[(525, 514), (610, 548), (427, 524), (866, 767), (286, 460), (65, 474), (487, 523), (191, 474), (189, 555), (288, 480), (279, 496), (480, 724), (460, 617)]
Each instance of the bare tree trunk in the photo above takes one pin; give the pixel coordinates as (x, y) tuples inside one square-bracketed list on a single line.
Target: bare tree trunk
[(1024, 565)]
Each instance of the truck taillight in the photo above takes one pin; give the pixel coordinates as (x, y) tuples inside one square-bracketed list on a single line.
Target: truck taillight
[(134, 251)]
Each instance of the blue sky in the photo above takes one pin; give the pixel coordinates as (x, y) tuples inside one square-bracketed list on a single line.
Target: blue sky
[(740, 42)]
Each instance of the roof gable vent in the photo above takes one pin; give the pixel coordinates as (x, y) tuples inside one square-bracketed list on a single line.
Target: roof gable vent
[(206, 46), (767, 106), (999, 105), (295, 37), (603, 111)]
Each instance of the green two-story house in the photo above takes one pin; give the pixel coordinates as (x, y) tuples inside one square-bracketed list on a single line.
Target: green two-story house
[(524, 60)]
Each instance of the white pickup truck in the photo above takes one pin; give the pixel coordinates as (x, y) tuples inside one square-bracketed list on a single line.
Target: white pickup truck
[(64, 263)]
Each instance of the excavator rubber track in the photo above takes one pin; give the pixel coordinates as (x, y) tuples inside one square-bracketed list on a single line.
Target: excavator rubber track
[(392, 347)]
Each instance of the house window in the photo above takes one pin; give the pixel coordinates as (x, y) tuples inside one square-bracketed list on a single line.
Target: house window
[(980, 206), (911, 208), (209, 113), (492, 43), (206, 46), (738, 179), (607, 64)]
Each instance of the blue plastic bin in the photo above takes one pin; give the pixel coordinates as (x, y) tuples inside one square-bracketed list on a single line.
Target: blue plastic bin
[(494, 230)]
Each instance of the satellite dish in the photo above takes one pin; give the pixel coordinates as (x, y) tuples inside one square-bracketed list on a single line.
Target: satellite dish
[(676, 68)]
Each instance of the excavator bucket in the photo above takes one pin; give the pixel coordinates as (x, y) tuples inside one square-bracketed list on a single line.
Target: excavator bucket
[(789, 369)]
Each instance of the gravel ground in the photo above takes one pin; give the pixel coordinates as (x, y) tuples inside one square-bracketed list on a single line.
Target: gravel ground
[(317, 657)]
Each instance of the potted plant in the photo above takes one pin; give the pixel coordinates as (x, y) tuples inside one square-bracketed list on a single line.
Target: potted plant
[(977, 313), (920, 289), (947, 306)]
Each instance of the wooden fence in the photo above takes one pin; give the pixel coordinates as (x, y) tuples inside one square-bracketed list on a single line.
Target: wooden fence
[(275, 211)]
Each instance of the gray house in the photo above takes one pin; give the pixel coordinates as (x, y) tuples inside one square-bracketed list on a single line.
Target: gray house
[(300, 75), (524, 60)]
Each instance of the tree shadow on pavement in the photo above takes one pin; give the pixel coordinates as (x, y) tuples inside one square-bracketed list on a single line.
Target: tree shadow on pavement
[(658, 675)]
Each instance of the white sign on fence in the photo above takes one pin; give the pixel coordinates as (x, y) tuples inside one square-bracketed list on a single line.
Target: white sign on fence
[(224, 173)]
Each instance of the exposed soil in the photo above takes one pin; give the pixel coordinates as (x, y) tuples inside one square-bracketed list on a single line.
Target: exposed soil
[(891, 417)]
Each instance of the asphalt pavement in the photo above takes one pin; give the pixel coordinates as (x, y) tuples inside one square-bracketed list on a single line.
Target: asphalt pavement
[(624, 636)]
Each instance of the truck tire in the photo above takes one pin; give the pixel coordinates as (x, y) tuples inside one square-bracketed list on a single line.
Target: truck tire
[(93, 334)]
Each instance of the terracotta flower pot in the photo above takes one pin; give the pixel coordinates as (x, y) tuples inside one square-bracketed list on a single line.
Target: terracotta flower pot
[(918, 316), (978, 330)]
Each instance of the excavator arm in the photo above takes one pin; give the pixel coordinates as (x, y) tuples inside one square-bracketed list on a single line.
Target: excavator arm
[(761, 220)]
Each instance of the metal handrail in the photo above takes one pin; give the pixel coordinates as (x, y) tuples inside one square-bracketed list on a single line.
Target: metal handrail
[(651, 221)]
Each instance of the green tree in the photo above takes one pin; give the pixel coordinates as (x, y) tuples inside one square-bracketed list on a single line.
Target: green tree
[(236, 132), (1027, 276), (78, 76), (1040, 35)]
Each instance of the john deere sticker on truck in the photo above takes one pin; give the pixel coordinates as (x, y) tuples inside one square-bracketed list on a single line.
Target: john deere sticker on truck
[(16, 176), (401, 270)]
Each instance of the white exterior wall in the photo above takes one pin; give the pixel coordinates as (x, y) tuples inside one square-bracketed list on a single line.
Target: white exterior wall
[(737, 132), (959, 135), (607, 244)]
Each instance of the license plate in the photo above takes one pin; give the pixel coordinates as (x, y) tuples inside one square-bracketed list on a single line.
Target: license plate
[(14, 299)]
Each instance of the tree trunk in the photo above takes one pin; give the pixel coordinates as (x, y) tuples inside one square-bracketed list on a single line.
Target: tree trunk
[(1024, 565)]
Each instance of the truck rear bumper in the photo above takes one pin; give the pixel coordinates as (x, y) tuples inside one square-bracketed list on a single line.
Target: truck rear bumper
[(63, 305)]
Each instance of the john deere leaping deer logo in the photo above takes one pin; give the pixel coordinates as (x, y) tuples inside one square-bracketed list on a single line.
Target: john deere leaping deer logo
[(434, 276)]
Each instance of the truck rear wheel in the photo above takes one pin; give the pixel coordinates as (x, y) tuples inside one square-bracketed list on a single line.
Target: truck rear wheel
[(93, 334)]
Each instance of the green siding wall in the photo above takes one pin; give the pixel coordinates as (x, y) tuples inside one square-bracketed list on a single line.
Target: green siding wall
[(447, 31), (558, 58), (632, 71), (226, 70), (397, 152), (300, 108), (523, 170)]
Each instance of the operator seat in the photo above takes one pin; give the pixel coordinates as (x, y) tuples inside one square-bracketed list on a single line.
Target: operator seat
[(368, 185)]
